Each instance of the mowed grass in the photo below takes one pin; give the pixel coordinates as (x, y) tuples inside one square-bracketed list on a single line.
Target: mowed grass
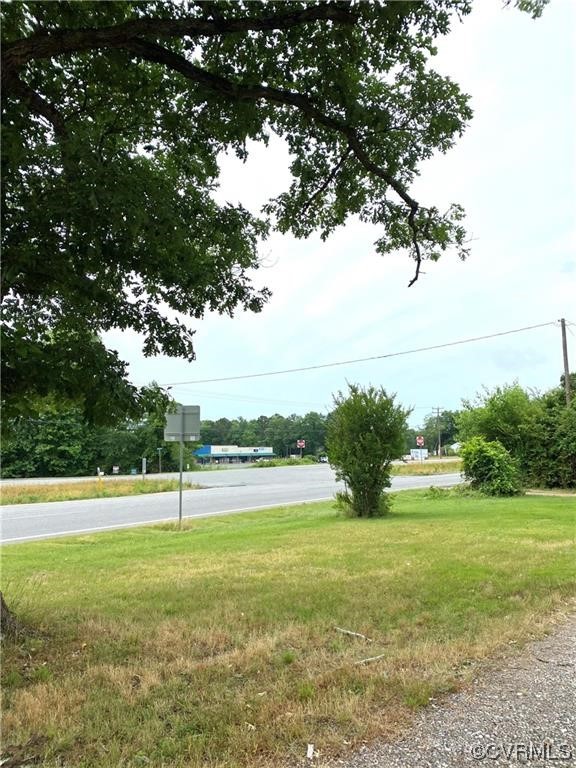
[(89, 489), (217, 645)]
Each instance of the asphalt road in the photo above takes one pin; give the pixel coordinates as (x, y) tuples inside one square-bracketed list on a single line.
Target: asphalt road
[(235, 490)]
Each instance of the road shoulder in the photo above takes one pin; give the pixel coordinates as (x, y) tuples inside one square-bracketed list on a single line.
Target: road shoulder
[(519, 711)]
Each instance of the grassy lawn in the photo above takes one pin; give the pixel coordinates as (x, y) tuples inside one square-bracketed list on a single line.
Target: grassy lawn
[(216, 646), (90, 489)]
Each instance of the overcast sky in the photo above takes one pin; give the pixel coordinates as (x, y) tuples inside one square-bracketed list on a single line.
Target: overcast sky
[(514, 172)]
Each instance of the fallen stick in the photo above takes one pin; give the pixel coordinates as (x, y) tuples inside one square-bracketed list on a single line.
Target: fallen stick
[(353, 634), (372, 658)]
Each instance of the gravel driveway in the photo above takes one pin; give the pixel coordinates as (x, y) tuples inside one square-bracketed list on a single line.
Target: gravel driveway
[(520, 712)]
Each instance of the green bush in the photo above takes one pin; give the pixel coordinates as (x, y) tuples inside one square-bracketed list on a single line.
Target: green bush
[(370, 506), (366, 432), (551, 462), (538, 430), (490, 468)]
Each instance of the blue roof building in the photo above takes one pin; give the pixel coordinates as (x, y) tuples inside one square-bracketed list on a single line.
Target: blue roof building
[(232, 454)]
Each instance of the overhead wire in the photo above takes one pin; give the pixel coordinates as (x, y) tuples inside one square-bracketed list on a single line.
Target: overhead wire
[(360, 359), (249, 398)]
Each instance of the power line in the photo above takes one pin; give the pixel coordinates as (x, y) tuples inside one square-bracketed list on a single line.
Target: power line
[(360, 359), (248, 398)]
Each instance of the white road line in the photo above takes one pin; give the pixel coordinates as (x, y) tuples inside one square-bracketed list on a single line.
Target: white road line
[(118, 526), (163, 520), (14, 508), (10, 511)]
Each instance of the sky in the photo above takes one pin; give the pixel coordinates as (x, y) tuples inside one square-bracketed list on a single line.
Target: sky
[(514, 171)]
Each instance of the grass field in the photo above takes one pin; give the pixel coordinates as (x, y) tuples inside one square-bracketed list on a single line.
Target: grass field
[(217, 645), (90, 489), (429, 467), (305, 461)]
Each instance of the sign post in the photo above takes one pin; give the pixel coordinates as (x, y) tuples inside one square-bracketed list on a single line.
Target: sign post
[(180, 426), (420, 444), (181, 466), (300, 444)]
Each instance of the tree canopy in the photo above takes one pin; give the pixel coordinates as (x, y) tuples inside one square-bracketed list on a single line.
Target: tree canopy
[(59, 442), (441, 424), (504, 414), (114, 116)]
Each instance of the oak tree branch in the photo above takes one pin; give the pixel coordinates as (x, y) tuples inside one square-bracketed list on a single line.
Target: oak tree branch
[(129, 36)]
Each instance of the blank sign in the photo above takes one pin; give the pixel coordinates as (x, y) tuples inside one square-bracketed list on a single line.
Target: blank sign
[(183, 425)]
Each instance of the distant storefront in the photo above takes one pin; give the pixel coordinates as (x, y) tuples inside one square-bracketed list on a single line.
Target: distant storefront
[(232, 454)]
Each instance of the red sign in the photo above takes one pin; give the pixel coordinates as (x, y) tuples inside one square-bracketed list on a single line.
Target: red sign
[(300, 443), (420, 441)]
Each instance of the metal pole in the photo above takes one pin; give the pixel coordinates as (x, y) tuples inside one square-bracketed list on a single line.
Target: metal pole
[(566, 368), (181, 466)]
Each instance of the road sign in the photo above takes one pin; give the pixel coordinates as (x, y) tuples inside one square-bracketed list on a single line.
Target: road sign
[(420, 441), (183, 425), (300, 443)]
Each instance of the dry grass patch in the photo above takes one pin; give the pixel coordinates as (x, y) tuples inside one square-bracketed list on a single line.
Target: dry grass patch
[(428, 467), (90, 489), (217, 646)]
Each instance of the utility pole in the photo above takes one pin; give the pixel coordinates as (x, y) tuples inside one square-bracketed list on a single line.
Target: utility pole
[(439, 430), (566, 368)]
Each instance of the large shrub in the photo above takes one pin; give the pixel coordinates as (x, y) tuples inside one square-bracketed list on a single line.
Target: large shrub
[(366, 432), (539, 430), (506, 414), (490, 468), (565, 448)]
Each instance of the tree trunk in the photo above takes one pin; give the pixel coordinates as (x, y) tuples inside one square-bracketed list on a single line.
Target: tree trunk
[(9, 624)]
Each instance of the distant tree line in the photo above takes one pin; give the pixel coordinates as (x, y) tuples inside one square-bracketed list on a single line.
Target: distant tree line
[(280, 432), (59, 442), (439, 430), (538, 430)]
